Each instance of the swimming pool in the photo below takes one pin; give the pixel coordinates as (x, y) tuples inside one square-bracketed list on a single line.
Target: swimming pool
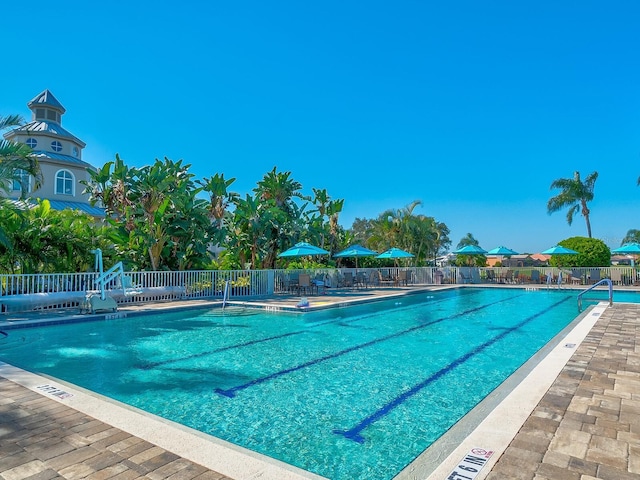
[(355, 392)]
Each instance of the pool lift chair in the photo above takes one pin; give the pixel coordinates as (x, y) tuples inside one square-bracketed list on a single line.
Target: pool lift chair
[(99, 300)]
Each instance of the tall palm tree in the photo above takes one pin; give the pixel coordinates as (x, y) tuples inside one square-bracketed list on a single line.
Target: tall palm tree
[(575, 194)]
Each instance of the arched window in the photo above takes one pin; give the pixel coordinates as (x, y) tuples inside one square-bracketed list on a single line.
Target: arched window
[(21, 178), (64, 183)]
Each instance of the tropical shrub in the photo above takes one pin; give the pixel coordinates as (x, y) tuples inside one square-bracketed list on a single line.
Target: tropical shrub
[(591, 253)]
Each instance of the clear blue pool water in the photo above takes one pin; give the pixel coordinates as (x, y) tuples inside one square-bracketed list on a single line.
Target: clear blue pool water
[(354, 392)]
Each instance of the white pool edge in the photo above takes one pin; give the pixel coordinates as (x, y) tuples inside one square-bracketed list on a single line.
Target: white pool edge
[(210, 452), (494, 433), (501, 425)]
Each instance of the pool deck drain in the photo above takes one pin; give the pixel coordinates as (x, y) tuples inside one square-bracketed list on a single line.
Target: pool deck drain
[(586, 425)]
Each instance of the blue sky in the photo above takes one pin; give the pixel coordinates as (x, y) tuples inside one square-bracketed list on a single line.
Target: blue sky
[(474, 108)]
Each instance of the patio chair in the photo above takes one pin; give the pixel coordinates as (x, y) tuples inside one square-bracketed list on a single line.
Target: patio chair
[(320, 282), (594, 276), (508, 276), (464, 275), (535, 276), (491, 276), (304, 282), (347, 280), (385, 280), (475, 276), (361, 280), (616, 276), (575, 277), (403, 278), (374, 278)]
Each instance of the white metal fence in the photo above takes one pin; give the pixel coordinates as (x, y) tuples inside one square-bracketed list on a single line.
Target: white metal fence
[(64, 290)]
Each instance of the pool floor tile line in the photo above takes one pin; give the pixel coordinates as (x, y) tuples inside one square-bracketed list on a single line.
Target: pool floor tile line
[(354, 432), (231, 392)]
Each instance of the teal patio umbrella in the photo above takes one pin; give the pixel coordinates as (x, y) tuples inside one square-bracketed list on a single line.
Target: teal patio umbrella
[(559, 250), (470, 250), (355, 251), (302, 249), (629, 249), (502, 251), (395, 253)]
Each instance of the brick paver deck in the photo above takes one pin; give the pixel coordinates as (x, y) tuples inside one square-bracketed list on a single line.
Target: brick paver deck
[(587, 426), (41, 439)]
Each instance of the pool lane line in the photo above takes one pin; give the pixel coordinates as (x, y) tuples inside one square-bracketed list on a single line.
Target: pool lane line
[(231, 392), (354, 433), (150, 365)]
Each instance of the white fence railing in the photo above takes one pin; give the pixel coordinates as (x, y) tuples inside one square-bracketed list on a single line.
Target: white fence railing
[(63, 290)]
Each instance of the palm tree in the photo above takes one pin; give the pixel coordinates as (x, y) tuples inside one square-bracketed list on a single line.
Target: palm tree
[(632, 236), (468, 239), (16, 165), (16, 160), (575, 194)]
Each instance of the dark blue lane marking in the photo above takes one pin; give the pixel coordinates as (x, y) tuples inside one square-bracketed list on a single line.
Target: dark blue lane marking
[(231, 392), (150, 365), (354, 433)]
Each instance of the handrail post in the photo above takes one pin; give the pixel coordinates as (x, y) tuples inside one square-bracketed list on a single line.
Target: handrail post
[(604, 280), (225, 293)]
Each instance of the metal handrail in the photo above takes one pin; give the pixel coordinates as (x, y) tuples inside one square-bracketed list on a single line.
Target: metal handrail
[(604, 280), (225, 295)]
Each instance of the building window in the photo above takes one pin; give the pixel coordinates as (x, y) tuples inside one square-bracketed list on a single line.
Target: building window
[(56, 146), (39, 113), (32, 142), (51, 115), (21, 178), (64, 183)]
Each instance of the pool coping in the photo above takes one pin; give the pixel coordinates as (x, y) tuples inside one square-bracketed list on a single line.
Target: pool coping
[(495, 421), (493, 430)]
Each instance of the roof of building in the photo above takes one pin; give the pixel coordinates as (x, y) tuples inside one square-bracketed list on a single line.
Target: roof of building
[(85, 207), (46, 98), (39, 154), (61, 205), (42, 126)]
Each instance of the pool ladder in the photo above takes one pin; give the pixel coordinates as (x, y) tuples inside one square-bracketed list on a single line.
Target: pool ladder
[(601, 282), (225, 295)]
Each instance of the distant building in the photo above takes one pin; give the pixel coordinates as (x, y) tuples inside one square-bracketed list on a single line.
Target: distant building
[(60, 156)]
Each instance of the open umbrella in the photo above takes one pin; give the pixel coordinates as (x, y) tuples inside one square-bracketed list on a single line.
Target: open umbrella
[(502, 251), (559, 250), (302, 249), (629, 249), (395, 253), (355, 251), (470, 250)]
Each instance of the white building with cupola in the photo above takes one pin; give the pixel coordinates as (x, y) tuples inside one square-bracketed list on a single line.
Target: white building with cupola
[(60, 156)]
